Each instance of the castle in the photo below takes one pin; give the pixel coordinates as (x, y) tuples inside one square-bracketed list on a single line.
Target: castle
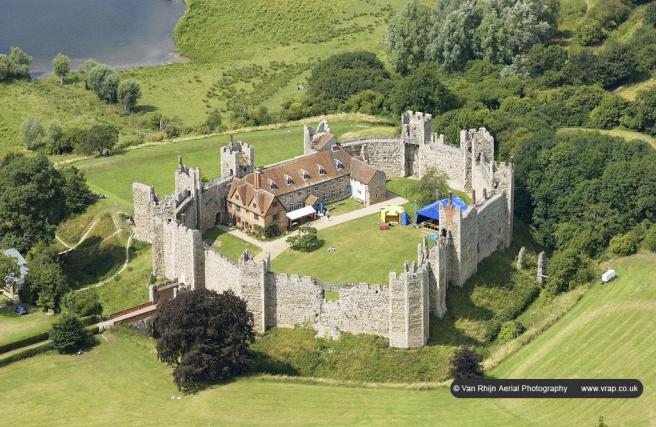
[(401, 309)]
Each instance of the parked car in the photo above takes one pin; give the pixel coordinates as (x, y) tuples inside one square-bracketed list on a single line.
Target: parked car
[(21, 310)]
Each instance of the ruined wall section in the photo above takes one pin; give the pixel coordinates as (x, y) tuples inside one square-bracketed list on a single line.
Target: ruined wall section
[(437, 276), (505, 173), (213, 207), (443, 157), (387, 155), (492, 224)]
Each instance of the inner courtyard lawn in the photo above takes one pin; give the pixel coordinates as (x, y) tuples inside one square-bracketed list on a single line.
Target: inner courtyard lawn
[(229, 245), (363, 253), (155, 165)]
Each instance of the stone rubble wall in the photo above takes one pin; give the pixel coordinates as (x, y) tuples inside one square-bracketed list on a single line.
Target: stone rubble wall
[(387, 155), (443, 157)]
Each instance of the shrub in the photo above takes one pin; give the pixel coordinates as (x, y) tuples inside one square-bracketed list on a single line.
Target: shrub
[(623, 245), (650, 239), (68, 334), (366, 102), (609, 112), (422, 91), (567, 269), (609, 13), (466, 364), (510, 330), (83, 303), (213, 120), (306, 240), (589, 33), (32, 132)]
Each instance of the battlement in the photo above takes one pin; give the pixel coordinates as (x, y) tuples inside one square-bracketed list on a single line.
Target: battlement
[(237, 159)]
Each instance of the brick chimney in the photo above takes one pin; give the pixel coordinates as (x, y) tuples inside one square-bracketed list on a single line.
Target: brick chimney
[(257, 179)]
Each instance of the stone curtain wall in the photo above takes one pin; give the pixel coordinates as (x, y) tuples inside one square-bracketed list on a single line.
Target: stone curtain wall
[(492, 226), (443, 157)]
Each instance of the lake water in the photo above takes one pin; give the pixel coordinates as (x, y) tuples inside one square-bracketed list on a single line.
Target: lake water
[(121, 33)]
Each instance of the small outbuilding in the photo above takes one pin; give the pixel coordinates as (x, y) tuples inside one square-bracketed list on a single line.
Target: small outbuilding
[(10, 288)]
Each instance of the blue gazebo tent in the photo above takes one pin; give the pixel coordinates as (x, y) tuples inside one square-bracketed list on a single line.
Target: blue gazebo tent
[(432, 211)]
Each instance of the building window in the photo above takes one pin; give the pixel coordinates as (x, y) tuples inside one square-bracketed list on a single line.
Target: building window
[(256, 216), (275, 217), (325, 195), (238, 209), (341, 191), (334, 194), (322, 170), (289, 180), (305, 174), (339, 165)]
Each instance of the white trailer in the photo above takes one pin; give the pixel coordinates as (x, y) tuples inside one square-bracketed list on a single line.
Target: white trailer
[(608, 275)]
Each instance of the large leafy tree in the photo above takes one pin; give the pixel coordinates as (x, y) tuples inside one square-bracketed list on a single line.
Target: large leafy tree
[(32, 132), (100, 138), (423, 91), (16, 65), (204, 335), (61, 66), (32, 202), (104, 82), (431, 187), (454, 23), (46, 281), (128, 93), (408, 35), (34, 199)]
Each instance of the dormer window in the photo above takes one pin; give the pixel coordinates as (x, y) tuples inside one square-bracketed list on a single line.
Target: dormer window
[(305, 174), (272, 184), (322, 170), (289, 180), (339, 165)]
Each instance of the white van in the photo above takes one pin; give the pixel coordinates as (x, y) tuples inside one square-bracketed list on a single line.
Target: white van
[(608, 275)]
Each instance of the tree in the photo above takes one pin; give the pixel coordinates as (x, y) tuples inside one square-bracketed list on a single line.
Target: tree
[(32, 132), (85, 69), (61, 66), (127, 94), (466, 364), (32, 202), (431, 187), (9, 271), (213, 120), (421, 91), (204, 335), (306, 240), (77, 194), (104, 82), (54, 134), (16, 65), (623, 245), (340, 76), (46, 281), (408, 35), (68, 334), (650, 239), (451, 36), (99, 138), (83, 303), (567, 269)]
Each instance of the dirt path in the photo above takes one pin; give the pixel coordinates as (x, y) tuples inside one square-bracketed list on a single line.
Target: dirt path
[(117, 230), (84, 236)]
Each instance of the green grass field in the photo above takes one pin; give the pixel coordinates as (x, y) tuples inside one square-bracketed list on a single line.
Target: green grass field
[(14, 327), (229, 245), (155, 165), (608, 334), (622, 133)]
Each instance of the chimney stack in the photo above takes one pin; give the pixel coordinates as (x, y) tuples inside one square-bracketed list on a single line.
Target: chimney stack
[(257, 178)]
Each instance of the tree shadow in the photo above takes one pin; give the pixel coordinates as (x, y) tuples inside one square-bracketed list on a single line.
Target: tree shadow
[(145, 109)]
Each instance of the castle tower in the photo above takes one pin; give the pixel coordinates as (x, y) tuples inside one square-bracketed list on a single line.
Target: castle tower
[(416, 128), (237, 159), (308, 134), (409, 307)]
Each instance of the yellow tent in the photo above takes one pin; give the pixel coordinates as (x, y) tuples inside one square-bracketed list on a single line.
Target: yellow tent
[(391, 213)]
